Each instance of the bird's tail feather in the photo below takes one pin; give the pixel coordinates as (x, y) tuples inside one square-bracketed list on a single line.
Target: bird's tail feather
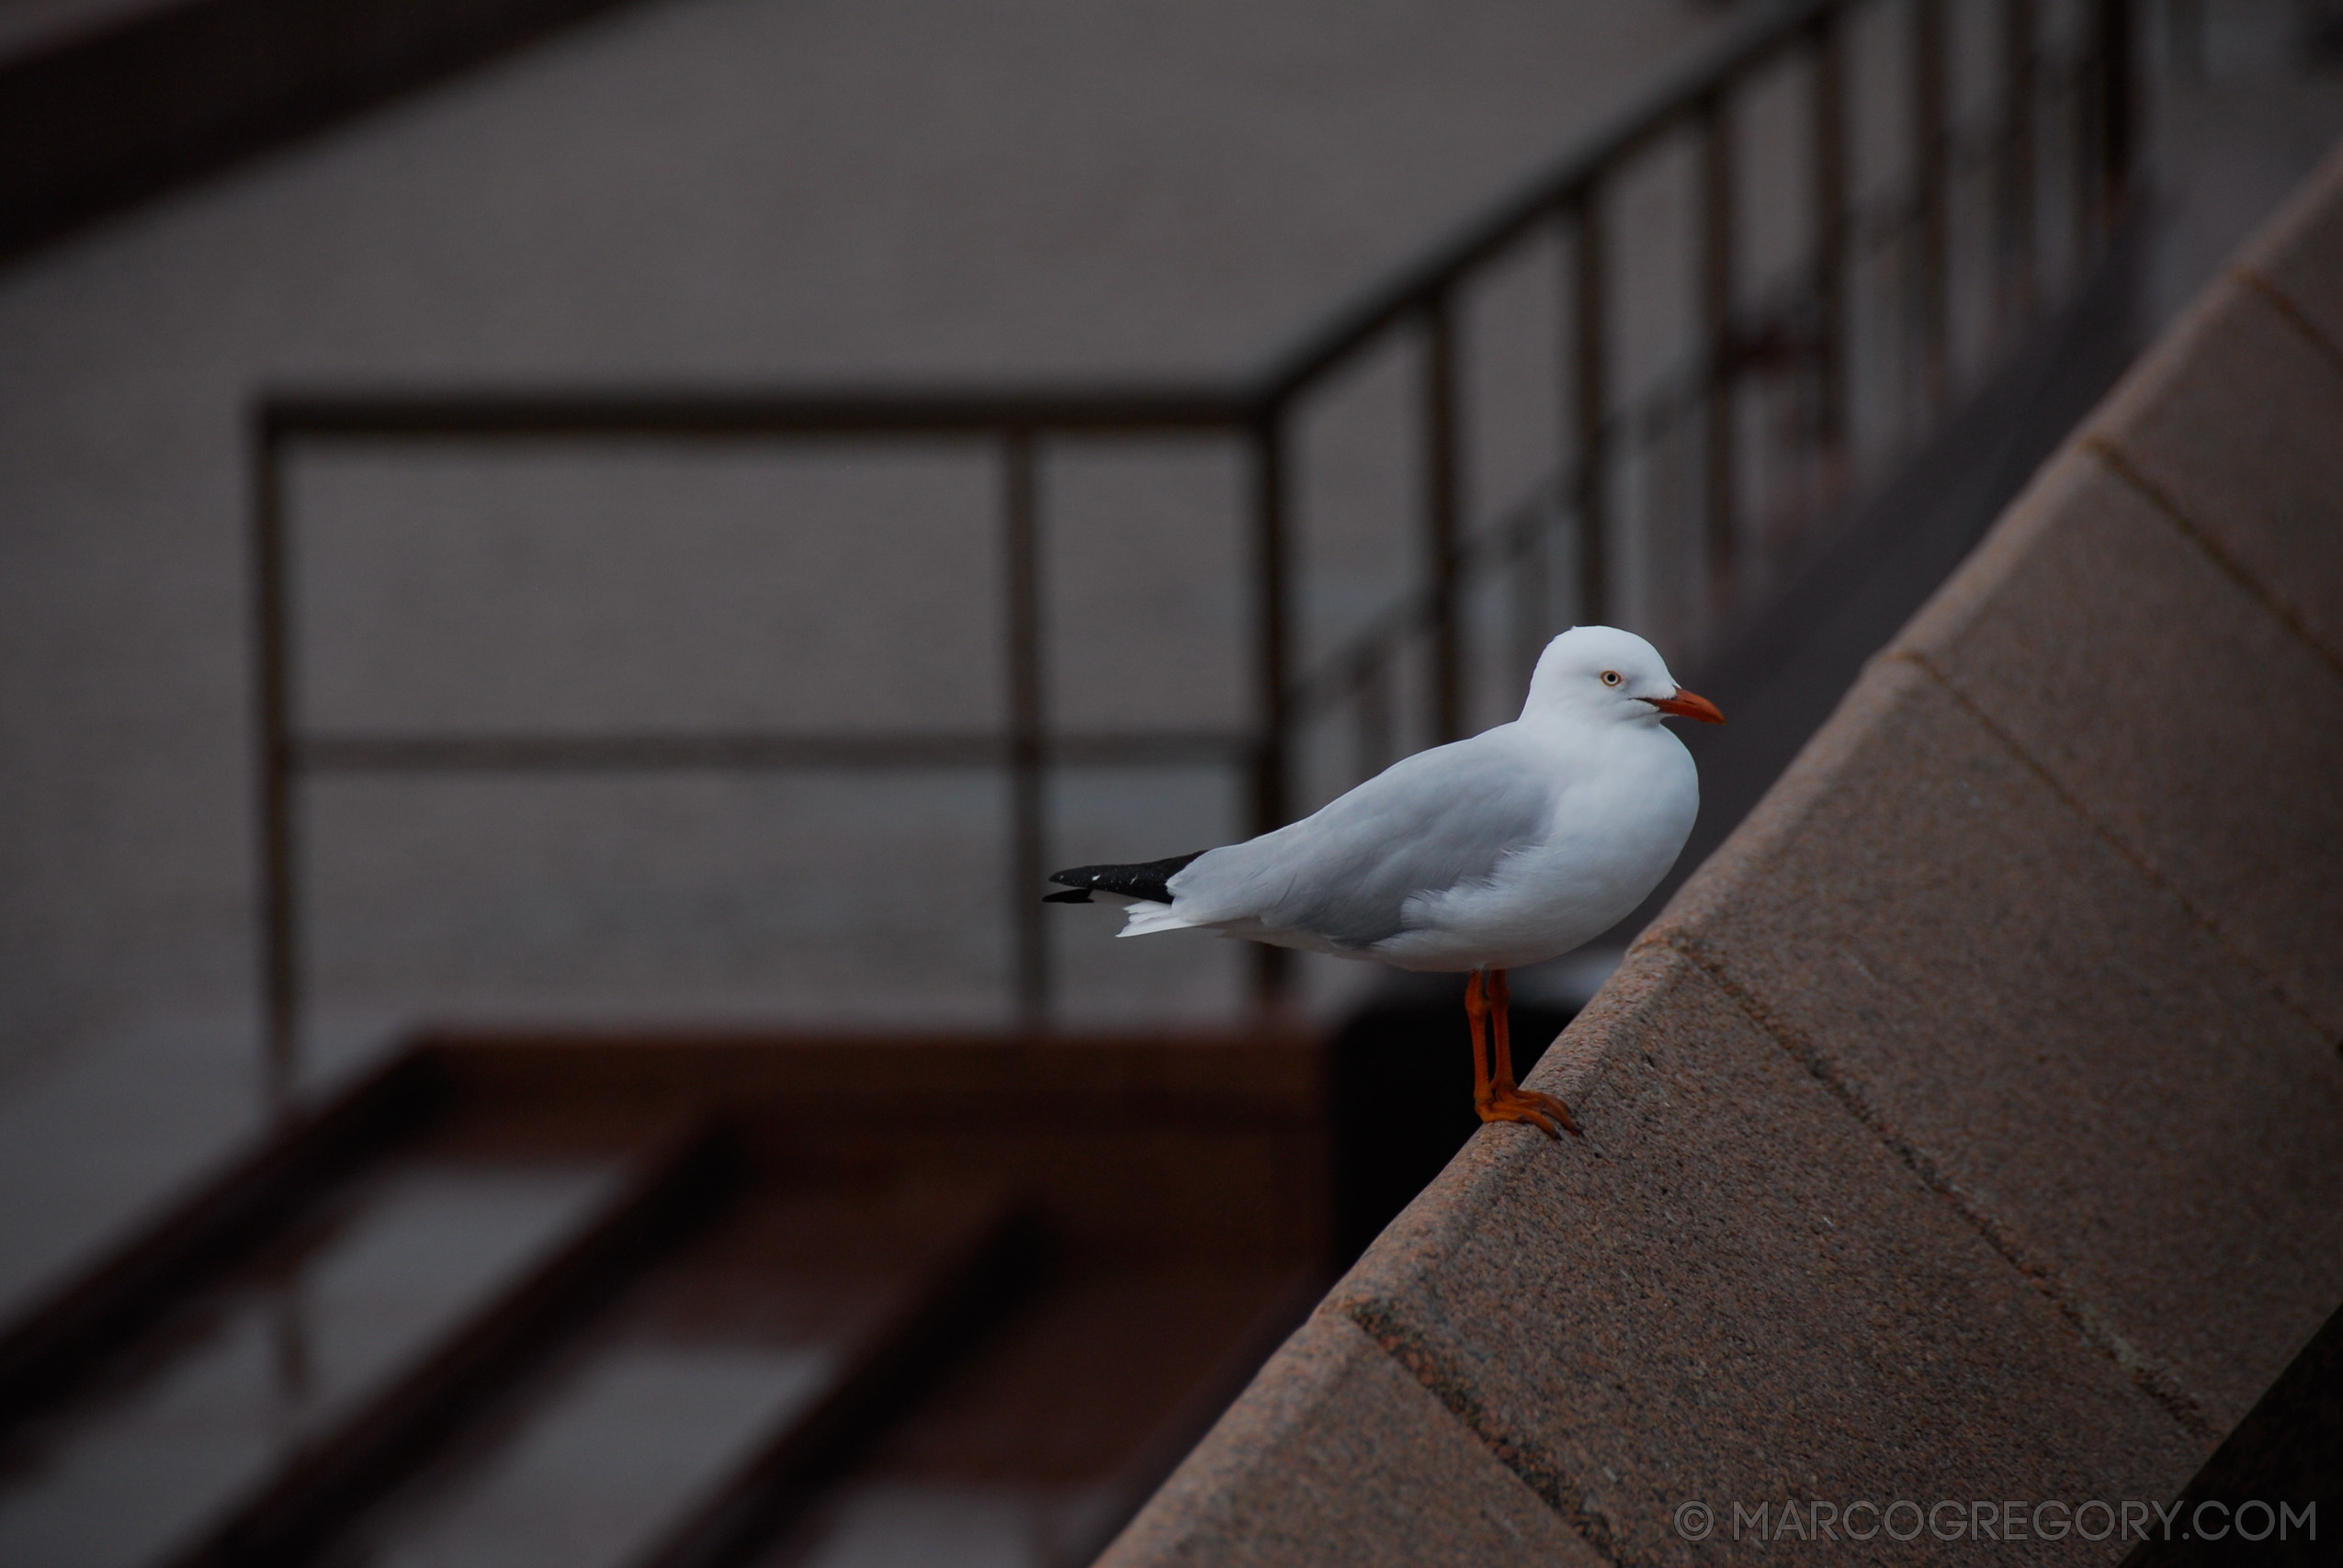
[(1146, 917)]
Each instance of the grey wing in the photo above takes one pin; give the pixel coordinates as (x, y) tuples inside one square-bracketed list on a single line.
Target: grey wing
[(1437, 820)]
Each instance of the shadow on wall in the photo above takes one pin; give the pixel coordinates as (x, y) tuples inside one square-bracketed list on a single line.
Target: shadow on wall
[(1402, 1105)]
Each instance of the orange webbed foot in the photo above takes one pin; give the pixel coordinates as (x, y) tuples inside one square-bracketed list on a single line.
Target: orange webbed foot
[(1507, 1103)]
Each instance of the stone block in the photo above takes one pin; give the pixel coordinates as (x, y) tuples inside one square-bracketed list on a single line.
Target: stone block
[(2235, 422), (1732, 1291), (2167, 700), (1335, 1455), (2076, 1059), (2300, 252)]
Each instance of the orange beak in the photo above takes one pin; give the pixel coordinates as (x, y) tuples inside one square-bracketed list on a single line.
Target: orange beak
[(1684, 704)]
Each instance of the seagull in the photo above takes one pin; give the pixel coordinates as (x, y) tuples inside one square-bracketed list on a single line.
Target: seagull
[(1513, 846)]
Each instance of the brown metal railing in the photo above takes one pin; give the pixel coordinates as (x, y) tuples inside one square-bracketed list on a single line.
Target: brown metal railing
[(1670, 505)]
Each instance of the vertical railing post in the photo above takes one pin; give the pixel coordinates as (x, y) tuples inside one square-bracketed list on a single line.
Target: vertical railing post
[(1590, 394), (1827, 115), (1932, 276), (1022, 552), (1370, 681), (1716, 322), (273, 761), (1532, 556), (1443, 506), (2118, 87), (2184, 24), (2019, 91), (1273, 751)]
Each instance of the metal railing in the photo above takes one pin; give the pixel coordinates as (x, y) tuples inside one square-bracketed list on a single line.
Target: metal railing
[(1670, 502)]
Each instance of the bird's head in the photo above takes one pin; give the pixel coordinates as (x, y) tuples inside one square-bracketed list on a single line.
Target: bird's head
[(1604, 673)]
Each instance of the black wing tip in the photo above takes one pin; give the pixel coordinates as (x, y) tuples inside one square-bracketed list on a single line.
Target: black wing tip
[(1143, 880)]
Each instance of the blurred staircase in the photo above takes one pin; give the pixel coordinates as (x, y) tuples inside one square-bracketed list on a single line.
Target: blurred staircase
[(682, 1302)]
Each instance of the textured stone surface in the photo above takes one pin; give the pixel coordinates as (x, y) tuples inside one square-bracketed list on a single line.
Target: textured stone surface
[(2194, 725), (1336, 1455), (1734, 1291), (2300, 254), (2234, 421), (2081, 1065)]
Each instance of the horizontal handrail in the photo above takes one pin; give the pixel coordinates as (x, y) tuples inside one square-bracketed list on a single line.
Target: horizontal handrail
[(522, 411), (658, 752)]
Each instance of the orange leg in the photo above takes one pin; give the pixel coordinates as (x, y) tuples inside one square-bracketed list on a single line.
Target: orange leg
[(1495, 1094), (1477, 1014)]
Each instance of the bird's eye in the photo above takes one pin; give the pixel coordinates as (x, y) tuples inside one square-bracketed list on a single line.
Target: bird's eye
[(1610, 677)]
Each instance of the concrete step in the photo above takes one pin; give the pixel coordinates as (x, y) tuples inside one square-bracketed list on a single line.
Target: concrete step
[(681, 1300), (495, 1325), (195, 1427), (706, 1400)]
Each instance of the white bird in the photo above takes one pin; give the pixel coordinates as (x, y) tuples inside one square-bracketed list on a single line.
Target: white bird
[(1510, 847)]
